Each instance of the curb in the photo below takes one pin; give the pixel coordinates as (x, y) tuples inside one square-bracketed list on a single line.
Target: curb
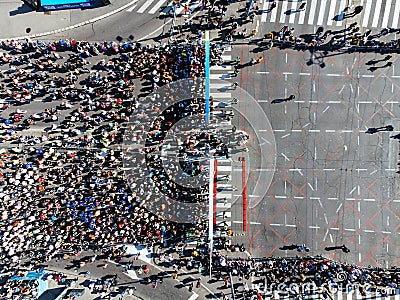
[(91, 21)]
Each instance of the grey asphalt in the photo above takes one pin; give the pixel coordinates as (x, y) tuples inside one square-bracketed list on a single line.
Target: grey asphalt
[(117, 19), (334, 184)]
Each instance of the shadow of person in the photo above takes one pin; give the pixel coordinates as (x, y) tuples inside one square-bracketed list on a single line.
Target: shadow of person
[(23, 9), (372, 62), (290, 11), (339, 17), (372, 69), (278, 101)]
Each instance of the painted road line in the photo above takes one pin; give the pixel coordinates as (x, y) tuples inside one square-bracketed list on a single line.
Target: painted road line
[(221, 68), (144, 6), (264, 12), (221, 95), (194, 296), (220, 85), (223, 205), (302, 16), (321, 14), (284, 9), (377, 13), (367, 11), (331, 14), (131, 8), (396, 14), (157, 7), (313, 8), (223, 195), (224, 168), (341, 8), (293, 14), (386, 13), (274, 12)]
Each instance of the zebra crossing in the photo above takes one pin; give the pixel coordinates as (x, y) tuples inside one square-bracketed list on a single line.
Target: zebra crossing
[(375, 13), (222, 96), (156, 6)]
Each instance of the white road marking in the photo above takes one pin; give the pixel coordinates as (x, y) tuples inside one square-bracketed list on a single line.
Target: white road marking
[(396, 14), (313, 8), (386, 13), (341, 8), (284, 9), (144, 6), (293, 14), (377, 13), (264, 13), (331, 14), (274, 12), (156, 7), (367, 11), (131, 8), (321, 13)]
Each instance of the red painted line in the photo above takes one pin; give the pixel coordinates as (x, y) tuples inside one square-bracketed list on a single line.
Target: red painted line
[(215, 193), (244, 195)]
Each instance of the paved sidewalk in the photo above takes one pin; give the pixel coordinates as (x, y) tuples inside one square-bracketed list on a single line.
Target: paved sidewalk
[(21, 21)]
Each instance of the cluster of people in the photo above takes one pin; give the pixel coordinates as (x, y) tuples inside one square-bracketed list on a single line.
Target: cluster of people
[(66, 185)]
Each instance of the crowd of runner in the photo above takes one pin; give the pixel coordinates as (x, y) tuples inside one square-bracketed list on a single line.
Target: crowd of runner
[(62, 181)]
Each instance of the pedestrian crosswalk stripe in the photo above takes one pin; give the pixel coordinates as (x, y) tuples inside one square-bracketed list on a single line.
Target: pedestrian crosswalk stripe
[(221, 68), (156, 7), (226, 57), (332, 11), (302, 16), (321, 14), (228, 214), (221, 95), (131, 9), (264, 11), (378, 6), (224, 168), (274, 13), (292, 12), (219, 85), (223, 205), (223, 196), (367, 11), (313, 8), (341, 9), (222, 223), (339, 296), (144, 6), (386, 13), (284, 9), (220, 76), (396, 14), (224, 185)]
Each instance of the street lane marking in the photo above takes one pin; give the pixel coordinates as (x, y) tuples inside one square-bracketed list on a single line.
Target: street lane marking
[(367, 11), (396, 14), (331, 14), (194, 296), (264, 12), (293, 14), (377, 13), (386, 14), (131, 8), (156, 7), (313, 8), (144, 6), (321, 14), (341, 8), (284, 9), (274, 12)]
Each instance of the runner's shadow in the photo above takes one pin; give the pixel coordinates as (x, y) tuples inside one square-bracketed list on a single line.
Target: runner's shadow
[(290, 11), (278, 101), (339, 17), (23, 9)]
